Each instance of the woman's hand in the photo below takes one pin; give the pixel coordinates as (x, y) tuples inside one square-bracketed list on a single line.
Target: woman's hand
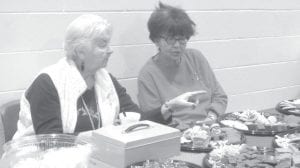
[(291, 106), (185, 100)]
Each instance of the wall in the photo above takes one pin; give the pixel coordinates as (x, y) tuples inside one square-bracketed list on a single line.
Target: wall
[(252, 45)]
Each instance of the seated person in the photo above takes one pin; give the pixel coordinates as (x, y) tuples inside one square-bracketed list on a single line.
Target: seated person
[(175, 70), (77, 94)]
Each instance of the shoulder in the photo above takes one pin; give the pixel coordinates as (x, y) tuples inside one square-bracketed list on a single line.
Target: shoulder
[(197, 57), (42, 80), (148, 68), (42, 83), (195, 54)]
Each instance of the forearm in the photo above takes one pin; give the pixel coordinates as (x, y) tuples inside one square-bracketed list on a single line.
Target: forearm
[(218, 104), (156, 116)]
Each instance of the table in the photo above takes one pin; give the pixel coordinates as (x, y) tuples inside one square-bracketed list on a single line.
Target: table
[(197, 158)]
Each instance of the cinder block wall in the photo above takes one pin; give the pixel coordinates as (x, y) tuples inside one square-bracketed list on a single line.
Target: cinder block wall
[(252, 45)]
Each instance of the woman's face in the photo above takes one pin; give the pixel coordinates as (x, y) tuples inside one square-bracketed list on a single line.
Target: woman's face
[(97, 53), (172, 47)]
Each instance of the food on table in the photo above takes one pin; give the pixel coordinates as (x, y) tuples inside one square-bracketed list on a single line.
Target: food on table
[(284, 157), (205, 136), (252, 120), (233, 136), (198, 135), (230, 156), (235, 124), (287, 140), (169, 163)]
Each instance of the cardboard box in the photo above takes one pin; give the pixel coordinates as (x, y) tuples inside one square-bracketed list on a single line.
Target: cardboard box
[(151, 140)]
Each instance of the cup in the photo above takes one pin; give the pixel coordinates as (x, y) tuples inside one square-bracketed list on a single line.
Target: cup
[(129, 117)]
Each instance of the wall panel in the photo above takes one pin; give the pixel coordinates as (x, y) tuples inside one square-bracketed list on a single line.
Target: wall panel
[(259, 77), (25, 32), (262, 99), (31, 5), (19, 69), (137, 5), (221, 54)]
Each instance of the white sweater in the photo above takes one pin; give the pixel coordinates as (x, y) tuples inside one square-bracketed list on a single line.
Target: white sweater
[(70, 85)]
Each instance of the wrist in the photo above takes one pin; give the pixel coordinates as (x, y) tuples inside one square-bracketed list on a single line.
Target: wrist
[(166, 110)]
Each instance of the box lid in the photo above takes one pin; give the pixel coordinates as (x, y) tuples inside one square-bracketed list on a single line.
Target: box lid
[(147, 132)]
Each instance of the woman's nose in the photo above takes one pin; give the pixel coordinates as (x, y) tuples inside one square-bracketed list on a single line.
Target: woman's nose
[(177, 44), (109, 51)]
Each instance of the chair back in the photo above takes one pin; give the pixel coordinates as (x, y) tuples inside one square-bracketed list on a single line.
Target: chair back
[(10, 116)]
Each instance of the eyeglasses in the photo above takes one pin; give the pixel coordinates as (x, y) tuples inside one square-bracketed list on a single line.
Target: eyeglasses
[(173, 40)]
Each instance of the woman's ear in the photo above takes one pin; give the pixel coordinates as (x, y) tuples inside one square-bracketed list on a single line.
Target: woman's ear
[(157, 44), (80, 52)]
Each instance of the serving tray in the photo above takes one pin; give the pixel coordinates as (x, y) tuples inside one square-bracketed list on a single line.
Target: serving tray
[(255, 130), (188, 147), (261, 152), (175, 164)]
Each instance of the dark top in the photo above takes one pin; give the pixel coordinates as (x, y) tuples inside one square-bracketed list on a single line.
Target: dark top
[(45, 106)]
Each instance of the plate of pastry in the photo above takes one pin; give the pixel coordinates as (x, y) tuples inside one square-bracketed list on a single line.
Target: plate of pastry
[(252, 122), (231, 156), (204, 138), (290, 107)]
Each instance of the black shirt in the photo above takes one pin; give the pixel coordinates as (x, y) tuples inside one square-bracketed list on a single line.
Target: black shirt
[(45, 106)]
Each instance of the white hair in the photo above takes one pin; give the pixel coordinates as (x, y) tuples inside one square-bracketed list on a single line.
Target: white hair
[(82, 30)]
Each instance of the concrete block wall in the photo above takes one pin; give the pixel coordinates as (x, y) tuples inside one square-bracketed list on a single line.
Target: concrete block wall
[(252, 45)]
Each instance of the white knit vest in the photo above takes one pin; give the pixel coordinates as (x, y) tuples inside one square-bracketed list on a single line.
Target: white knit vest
[(70, 85)]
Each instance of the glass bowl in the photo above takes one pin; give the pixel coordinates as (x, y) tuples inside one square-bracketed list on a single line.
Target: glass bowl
[(44, 149)]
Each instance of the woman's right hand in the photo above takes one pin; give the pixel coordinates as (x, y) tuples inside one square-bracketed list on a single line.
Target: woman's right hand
[(185, 100)]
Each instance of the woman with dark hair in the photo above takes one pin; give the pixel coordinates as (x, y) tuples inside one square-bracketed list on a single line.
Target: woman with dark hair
[(175, 70), (77, 94)]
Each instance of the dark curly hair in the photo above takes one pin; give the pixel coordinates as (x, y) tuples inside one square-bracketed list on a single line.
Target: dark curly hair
[(170, 21)]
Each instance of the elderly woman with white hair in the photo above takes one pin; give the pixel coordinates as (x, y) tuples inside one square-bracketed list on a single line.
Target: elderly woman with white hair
[(77, 94)]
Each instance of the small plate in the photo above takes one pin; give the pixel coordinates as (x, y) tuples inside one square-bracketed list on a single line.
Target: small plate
[(188, 147), (176, 162)]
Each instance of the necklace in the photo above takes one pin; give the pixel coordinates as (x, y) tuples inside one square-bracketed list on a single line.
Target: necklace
[(90, 115)]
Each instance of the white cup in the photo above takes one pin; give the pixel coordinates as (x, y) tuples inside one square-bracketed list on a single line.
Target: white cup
[(130, 117)]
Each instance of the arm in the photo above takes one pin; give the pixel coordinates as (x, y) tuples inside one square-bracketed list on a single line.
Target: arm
[(149, 102), (163, 113), (126, 103), (219, 97), (44, 106)]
